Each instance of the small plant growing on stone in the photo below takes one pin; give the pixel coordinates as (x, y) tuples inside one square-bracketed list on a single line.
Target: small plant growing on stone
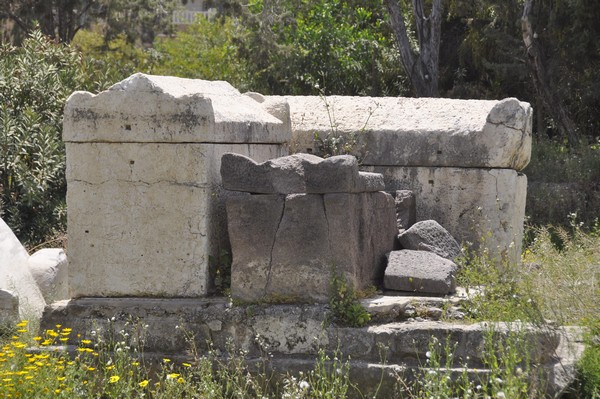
[(344, 304)]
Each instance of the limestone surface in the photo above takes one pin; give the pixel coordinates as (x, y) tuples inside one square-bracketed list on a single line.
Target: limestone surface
[(429, 235), (394, 131), (289, 246), (147, 108), (481, 208), (15, 276), (419, 271), (298, 173), (49, 268), (141, 211)]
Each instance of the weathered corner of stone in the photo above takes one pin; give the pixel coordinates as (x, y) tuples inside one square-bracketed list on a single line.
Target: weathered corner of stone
[(511, 113), (298, 173)]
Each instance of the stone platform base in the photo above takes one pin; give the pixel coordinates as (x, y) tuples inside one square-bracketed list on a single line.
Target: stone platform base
[(402, 327)]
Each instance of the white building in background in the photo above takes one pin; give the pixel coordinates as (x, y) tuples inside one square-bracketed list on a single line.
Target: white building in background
[(188, 10)]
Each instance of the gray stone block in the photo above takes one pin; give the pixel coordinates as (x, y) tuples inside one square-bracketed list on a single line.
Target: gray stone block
[(298, 173), (429, 235), (288, 249), (419, 271)]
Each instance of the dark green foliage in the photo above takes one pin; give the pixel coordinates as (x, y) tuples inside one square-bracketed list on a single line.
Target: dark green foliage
[(310, 47), (35, 81)]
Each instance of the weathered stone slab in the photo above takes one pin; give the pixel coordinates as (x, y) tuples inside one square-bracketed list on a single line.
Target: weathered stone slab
[(429, 235), (139, 212), (49, 268), (484, 208), (298, 173), (287, 247), (15, 276), (419, 271), (147, 108), (406, 209), (396, 131)]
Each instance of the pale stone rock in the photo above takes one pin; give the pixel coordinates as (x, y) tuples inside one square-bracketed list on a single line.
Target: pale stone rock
[(147, 108), (49, 268), (9, 308), (298, 173), (429, 235), (393, 131), (288, 247), (419, 271), (482, 208), (15, 275)]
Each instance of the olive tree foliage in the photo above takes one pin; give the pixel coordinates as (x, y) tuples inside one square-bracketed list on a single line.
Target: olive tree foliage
[(35, 80)]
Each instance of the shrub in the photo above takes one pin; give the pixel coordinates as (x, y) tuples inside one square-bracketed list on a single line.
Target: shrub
[(35, 81)]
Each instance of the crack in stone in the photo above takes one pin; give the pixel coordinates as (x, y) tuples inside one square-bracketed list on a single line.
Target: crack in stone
[(268, 283), (171, 182), (327, 221)]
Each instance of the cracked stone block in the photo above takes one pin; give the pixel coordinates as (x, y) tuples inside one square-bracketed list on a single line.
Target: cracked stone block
[(146, 209), (429, 235), (298, 173), (286, 247), (16, 279), (419, 271), (481, 208)]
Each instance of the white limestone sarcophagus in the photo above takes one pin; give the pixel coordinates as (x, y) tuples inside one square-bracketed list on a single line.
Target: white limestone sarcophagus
[(145, 207), (461, 158)]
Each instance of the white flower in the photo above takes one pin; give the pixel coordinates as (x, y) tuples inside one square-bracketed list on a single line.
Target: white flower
[(303, 385), (500, 395), (428, 354)]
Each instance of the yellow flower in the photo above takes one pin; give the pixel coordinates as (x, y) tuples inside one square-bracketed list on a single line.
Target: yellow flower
[(186, 365), (86, 341), (180, 380), (135, 364), (112, 366), (142, 384), (22, 324), (172, 376), (166, 360), (114, 378), (38, 338), (51, 333), (22, 330), (91, 368)]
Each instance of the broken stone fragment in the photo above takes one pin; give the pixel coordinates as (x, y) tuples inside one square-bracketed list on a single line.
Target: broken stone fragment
[(298, 173), (48, 267), (419, 271), (429, 235), (406, 209)]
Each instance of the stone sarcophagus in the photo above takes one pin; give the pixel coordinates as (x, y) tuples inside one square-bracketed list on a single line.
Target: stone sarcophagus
[(145, 205), (461, 158)]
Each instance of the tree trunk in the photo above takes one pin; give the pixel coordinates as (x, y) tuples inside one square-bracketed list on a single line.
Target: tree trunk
[(552, 101), (421, 68)]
